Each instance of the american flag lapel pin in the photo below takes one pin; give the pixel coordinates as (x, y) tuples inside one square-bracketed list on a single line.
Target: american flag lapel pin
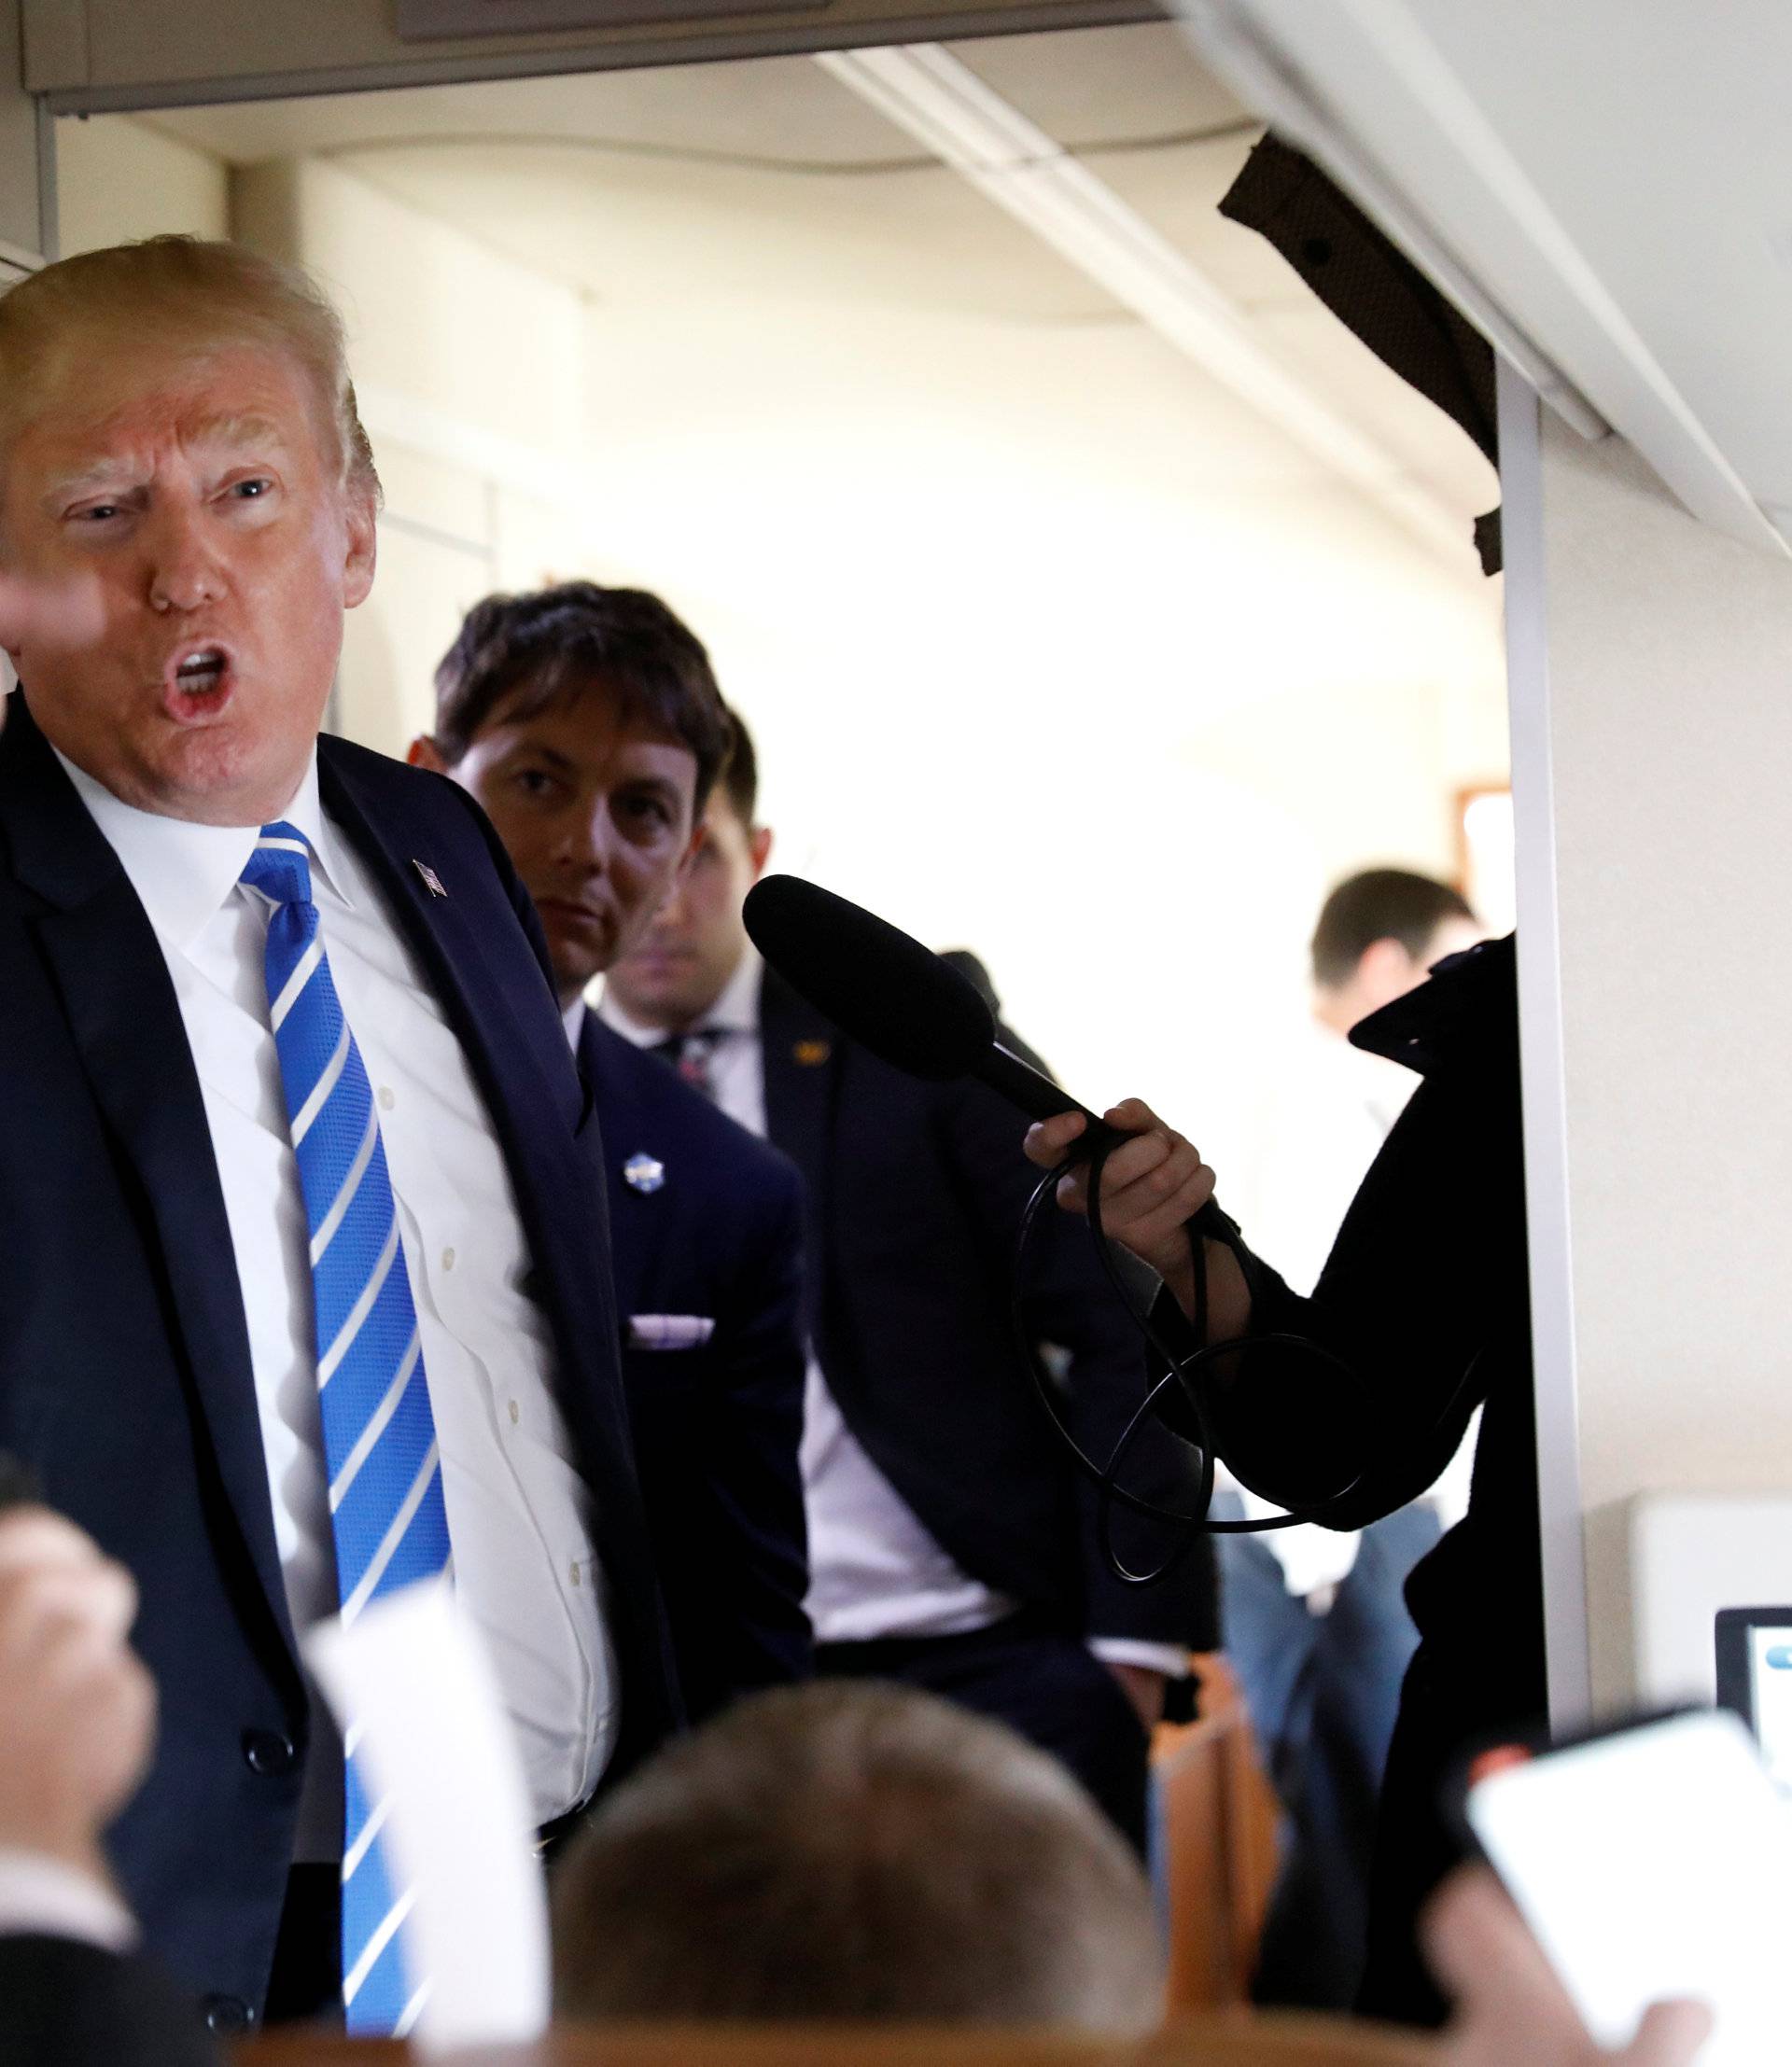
[(431, 881)]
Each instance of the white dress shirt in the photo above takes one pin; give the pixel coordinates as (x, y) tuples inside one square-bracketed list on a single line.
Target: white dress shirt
[(518, 1517), (874, 1568)]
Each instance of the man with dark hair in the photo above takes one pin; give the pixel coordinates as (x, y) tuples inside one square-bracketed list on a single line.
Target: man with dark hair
[(951, 1544), (846, 1854), (531, 651), (1377, 934), (587, 722), (1334, 1105)]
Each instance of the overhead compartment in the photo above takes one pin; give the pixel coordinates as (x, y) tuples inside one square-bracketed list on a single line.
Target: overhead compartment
[(1605, 190), (88, 56)]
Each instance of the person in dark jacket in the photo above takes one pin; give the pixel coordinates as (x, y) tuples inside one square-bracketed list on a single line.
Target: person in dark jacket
[(76, 1726), (1424, 1303), (952, 1544), (587, 721)]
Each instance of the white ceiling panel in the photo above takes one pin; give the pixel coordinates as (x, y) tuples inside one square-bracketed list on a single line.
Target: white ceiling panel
[(1612, 181), (767, 179), (775, 109), (1089, 85)]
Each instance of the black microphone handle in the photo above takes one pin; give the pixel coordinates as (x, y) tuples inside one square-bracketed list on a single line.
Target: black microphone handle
[(1040, 1099)]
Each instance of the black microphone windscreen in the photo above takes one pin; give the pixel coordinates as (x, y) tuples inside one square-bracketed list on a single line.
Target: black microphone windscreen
[(874, 982)]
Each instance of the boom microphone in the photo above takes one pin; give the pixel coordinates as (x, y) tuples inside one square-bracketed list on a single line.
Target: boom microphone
[(880, 987)]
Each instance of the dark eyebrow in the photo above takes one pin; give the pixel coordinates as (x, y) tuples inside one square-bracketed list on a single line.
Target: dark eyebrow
[(528, 746)]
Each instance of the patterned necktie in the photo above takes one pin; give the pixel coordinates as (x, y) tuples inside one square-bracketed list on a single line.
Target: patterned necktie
[(692, 1055), (386, 1499)]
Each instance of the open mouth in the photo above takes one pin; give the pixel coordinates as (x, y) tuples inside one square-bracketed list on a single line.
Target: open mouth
[(201, 670), (197, 681)]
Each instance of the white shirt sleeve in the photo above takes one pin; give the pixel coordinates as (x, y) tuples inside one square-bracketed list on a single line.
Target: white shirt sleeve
[(41, 1897)]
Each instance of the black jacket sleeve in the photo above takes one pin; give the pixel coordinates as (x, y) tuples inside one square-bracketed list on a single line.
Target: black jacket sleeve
[(68, 2005), (1425, 1291), (1069, 1309)]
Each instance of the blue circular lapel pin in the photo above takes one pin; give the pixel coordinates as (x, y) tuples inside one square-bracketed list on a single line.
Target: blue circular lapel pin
[(643, 1173)]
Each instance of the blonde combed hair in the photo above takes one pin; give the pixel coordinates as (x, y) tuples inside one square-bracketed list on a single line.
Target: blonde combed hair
[(191, 294)]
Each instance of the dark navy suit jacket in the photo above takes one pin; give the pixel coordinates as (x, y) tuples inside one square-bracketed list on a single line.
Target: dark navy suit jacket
[(125, 1379), (916, 1193), (68, 2005), (706, 1225)]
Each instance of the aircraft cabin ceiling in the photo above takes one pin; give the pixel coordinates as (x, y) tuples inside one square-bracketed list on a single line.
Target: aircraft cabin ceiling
[(1612, 180), (769, 177)]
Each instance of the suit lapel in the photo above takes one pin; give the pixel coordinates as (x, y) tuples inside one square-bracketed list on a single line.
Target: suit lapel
[(636, 1217), (803, 1054), (444, 933), (126, 1026), (531, 1092)]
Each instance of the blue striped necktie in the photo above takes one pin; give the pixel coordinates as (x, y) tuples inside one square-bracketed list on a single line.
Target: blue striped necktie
[(385, 1500)]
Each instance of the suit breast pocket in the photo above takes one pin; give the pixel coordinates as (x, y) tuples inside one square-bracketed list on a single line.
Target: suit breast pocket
[(664, 1334)]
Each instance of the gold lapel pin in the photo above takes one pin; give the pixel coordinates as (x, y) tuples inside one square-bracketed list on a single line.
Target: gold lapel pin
[(431, 881), (811, 1054)]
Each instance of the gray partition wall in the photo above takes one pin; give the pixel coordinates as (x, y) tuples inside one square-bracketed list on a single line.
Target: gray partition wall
[(99, 54)]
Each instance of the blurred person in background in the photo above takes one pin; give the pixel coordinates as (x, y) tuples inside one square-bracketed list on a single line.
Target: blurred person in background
[(1315, 1624), (837, 1853), (586, 720), (76, 1730), (1379, 934), (951, 1544), (846, 1854)]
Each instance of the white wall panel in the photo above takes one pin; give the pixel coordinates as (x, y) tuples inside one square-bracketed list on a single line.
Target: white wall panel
[(1670, 735)]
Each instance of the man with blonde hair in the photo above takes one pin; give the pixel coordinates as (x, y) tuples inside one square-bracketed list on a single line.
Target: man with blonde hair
[(850, 1851), (301, 1291)]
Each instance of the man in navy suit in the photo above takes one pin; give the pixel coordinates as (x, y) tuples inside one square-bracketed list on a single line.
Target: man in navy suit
[(587, 721), (209, 1363), (951, 1544)]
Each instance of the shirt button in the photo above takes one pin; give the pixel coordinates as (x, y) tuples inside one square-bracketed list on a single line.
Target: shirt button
[(516, 1413), (386, 1100), (225, 2015), (268, 1753), (575, 1575), (447, 1259)]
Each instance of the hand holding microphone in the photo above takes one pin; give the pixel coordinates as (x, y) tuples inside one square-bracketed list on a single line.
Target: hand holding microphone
[(921, 1015), (918, 1013), (1152, 1185)]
